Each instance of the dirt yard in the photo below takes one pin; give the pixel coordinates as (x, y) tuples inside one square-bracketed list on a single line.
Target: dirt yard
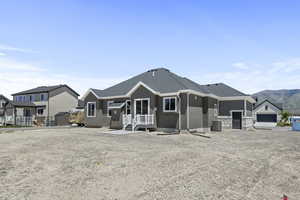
[(83, 163)]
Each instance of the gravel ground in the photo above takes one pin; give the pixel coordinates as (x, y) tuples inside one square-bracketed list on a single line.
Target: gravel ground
[(83, 163)]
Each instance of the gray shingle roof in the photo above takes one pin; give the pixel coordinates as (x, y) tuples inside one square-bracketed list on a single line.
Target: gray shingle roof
[(3, 97), (160, 80), (223, 90), (43, 89)]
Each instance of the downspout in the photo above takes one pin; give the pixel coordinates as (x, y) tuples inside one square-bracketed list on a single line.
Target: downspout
[(179, 111), (245, 108), (48, 108)]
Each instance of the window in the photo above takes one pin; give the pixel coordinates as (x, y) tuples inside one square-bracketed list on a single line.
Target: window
[(91, 109), (40, 111), (128, 108), (169, 104), (42, 97), (109, 112), (142, 106), (30, 98), (266, 107)]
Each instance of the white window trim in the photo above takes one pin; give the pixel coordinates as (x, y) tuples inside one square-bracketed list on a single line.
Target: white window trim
[(164, 103), (108, 108), (37, 112), (87, 109), (135, 100)]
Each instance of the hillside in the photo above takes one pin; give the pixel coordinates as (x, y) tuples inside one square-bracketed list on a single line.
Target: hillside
[(289, 98)]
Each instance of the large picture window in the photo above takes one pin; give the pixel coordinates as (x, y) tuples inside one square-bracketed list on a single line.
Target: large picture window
[(91, 109), (142, 106), (169, 104)]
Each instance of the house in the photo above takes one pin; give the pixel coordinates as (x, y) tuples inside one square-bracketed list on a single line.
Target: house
[(267, 111), (160, 99), (41, 104), (3, 102)]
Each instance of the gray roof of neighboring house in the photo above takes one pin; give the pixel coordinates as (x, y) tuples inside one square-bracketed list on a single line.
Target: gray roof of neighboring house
[(43, 89), (223, 90), (278, 105), (160, 80), (3, 97)]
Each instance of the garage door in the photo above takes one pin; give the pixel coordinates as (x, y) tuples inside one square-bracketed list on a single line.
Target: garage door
[(266, 118)]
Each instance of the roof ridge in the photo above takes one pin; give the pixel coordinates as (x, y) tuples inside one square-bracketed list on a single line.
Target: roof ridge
[(172, 76)]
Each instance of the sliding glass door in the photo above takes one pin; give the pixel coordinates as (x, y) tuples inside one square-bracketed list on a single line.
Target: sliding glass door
[(142, 106)]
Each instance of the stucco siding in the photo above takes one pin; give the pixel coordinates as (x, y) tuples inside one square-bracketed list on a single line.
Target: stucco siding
[(63, 102), (195, 111), (210, 110)]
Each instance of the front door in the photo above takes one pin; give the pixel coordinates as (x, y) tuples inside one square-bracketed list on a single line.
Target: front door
[(237, 120), (141, 106)]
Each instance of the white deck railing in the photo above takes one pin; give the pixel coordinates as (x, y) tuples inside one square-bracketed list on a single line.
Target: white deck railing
[(144, 119), (126, 120), (137, 120)]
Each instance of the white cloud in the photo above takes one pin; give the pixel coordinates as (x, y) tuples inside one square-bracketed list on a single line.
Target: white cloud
[(11, 48), (16, 76), (10, 64), (276, 75), (240, 65), (2, 54)]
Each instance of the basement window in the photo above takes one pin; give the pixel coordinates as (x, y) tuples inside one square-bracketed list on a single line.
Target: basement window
[(169, 104), (91, 109)]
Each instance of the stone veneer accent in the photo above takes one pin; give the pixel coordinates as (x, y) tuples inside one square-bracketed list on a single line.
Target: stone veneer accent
[(247, 122)]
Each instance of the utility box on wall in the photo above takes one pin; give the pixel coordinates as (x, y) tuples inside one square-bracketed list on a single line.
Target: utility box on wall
[(295, 123)]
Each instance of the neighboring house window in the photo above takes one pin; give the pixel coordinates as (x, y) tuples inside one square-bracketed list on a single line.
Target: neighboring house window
[(42, 97), (91, 109), (169, 104), (128, 107), (266, 107), (109, 111), (30, 98), (40, 111)]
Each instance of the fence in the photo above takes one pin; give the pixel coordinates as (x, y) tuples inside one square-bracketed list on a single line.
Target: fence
[(24, 121)]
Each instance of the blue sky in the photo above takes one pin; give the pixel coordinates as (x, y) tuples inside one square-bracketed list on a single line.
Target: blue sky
[(251, 45)]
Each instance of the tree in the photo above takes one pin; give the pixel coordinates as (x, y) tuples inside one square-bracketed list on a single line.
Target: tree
[(285, 116)]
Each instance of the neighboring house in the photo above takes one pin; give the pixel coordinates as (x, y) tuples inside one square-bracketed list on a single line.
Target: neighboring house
[(267, 111), (160, 99), (3, 102), (42, 103)]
